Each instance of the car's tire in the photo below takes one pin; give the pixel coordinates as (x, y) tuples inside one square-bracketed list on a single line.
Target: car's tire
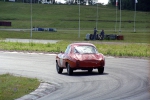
[(90, 70), (59, 70), (69, 70), (101, 70)]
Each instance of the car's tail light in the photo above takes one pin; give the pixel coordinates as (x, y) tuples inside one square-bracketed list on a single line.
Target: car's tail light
[(102, 63)]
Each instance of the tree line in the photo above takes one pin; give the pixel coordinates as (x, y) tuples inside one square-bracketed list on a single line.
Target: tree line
[(69, 2), (141, 5)]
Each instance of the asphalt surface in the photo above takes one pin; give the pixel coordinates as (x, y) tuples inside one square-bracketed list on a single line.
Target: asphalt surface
[(30, 40), (123, 78)]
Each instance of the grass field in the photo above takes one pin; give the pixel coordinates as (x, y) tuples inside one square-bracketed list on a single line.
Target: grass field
[(65, 18), (138, 37), (107, 48), (13, 87)]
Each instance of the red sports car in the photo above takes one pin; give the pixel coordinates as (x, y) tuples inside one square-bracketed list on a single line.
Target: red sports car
[(82, 56)]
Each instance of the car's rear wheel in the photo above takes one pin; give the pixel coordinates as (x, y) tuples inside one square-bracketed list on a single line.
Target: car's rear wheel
[(59, 70), (101, 70), (69, 70)]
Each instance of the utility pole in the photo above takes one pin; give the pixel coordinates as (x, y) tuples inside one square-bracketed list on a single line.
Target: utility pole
[(31, 21), (135, 15), (79, 19), (97, 16), (116, 14), (120, 18)]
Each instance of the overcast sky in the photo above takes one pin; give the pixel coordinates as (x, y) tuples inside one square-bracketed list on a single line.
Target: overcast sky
[(103, 1)]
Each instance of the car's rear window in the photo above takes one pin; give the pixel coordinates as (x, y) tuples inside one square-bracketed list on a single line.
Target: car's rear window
[(85, 49)]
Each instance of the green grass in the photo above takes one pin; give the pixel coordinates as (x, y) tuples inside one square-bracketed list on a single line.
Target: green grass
[(66, 16), (65, 19), (13, 87), (129, 37), (107, 48), (125, 50)]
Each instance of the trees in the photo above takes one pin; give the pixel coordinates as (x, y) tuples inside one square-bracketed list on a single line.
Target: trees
[(142, 5)]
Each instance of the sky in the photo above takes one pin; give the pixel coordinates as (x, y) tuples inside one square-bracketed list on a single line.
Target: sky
[(103, 1)]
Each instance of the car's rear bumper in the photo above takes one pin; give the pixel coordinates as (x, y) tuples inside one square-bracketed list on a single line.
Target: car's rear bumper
[(88, 65), (86, 68)]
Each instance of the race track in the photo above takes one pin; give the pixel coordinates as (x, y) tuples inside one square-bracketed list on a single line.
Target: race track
[(123, 78)]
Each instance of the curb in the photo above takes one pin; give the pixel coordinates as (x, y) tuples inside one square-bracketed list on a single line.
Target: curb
[(42, 90)]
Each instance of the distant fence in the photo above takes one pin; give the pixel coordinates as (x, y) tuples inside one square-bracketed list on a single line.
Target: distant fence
[(3, 23)]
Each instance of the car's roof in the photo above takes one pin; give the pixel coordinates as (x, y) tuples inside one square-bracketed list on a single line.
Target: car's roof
[(80, 44)]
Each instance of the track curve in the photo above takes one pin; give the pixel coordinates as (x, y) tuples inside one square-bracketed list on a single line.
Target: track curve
[(123, 78)]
